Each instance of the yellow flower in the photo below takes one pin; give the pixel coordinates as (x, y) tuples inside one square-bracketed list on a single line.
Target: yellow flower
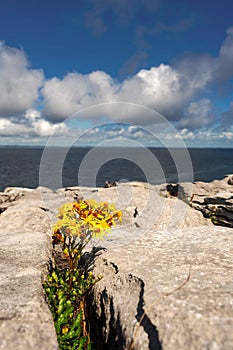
[(87, 219), (119, 215), (65, 329), (66, 252)]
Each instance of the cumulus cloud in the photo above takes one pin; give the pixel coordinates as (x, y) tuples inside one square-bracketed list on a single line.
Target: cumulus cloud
[(9, 128), (209, 136), (198, 114), (123, 134), (63, 97), (224, 69), (197, 70), (161, 88), (117, 134), (166, 89), (44, 128), (185, 134), (31, 125), (19, 83), (174, 91), (204, 69)]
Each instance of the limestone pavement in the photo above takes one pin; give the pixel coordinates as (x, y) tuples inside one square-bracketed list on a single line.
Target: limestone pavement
[(167, 270)]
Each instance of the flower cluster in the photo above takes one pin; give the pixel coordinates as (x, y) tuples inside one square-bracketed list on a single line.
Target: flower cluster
[(81, 221), (77, 224), (85, 219)]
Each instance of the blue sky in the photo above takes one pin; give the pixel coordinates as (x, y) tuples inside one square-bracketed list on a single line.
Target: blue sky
[(151, 72)]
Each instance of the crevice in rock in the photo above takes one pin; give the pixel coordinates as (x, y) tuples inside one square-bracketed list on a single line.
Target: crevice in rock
[(114, 305), (149, 328), (115, 267), (222, 221), (116, 338), (2, 210)]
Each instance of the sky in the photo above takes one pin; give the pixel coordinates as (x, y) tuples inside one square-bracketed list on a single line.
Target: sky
[(146, 72)]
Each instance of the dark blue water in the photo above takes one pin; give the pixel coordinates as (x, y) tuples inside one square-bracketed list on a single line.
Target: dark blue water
[(20, 166)]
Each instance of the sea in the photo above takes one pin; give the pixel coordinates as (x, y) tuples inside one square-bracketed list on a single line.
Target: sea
[(57, 167)]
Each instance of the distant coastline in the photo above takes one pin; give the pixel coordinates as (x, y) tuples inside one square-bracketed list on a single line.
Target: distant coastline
[(20, 165), (97, 146)]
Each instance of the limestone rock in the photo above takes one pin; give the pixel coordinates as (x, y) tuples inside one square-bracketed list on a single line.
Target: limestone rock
[(215, 200), (6, 200), (147, 258), (25, 319), (142, 279), (146, 263), (230, 180)]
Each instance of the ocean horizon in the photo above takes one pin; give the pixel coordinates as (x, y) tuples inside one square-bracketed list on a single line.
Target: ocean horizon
[(22, 166)]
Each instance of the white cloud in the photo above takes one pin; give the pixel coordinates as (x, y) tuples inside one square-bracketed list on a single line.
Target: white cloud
[(228, 135), (161, 88), (31, 125), (19, 83), (167, 90), (204, 69), (174, 91), (185, 134), (198, 114), (75, 92), (44, 128), (224, 69), (9, 128), (197, 71), (205, 136)]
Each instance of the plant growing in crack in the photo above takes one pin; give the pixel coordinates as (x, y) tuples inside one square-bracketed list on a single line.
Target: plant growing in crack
[(66, 289)]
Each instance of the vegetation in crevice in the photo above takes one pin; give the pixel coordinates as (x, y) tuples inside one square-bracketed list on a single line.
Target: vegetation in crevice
[(66, 289)]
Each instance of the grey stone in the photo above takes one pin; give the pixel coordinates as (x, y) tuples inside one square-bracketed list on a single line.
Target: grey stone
[(230, 180), (6, 199), (25, 319), (145, 264), (3, 197), (144, 268), (215, 199), (142, 277)]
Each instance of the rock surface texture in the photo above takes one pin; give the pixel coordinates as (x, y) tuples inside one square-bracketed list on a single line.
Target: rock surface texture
[(167, 270), (25, 319), (215, 200)]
